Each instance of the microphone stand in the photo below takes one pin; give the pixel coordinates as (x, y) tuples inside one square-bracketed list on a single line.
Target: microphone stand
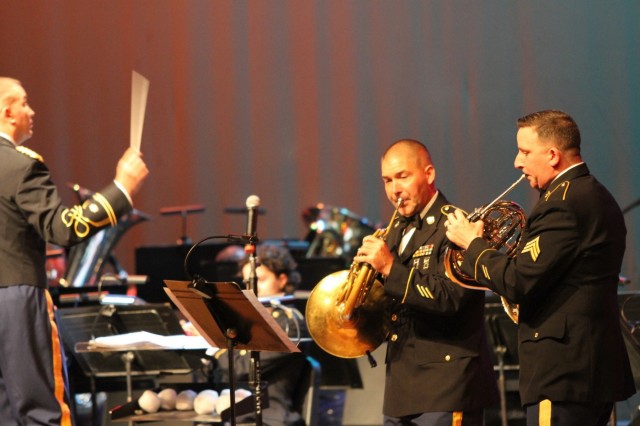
[(254, 366), (252, 204)]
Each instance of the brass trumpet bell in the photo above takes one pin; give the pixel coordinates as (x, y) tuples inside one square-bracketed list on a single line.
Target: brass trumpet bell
[(341, 333), (346, 310)]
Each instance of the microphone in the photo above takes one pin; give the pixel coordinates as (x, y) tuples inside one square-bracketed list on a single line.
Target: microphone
[(253, 202)]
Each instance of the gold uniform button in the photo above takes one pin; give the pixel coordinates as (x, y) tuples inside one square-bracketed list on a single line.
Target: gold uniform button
[(394, 337), (447, 358), (394, 317)]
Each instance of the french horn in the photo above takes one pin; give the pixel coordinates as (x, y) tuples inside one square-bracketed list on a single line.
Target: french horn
[(503, 225), (345, 310)]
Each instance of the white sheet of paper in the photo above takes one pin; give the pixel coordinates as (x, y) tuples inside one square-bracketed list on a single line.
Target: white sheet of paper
[(145, 340), (139, 92)]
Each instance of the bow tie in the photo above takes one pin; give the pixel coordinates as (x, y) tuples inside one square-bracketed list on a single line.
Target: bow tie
[(414, 220)]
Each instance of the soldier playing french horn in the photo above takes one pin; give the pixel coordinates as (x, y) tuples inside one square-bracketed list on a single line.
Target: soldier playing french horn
[(438, 367), (564, 277)]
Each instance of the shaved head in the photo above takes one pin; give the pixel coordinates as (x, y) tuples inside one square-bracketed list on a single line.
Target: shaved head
[(410, 148)]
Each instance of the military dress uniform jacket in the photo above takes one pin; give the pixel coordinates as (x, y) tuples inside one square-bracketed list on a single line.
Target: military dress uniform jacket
[(33, 214), (438, 358), (564, 277)]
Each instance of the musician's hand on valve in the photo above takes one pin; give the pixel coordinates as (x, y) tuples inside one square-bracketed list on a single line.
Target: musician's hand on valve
[(460, 231), (375, 252)]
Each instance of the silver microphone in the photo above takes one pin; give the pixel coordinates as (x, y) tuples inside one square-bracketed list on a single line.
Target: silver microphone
[(253, 202)]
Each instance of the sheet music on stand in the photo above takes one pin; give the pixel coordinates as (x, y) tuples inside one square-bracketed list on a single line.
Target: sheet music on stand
[(228, 317)]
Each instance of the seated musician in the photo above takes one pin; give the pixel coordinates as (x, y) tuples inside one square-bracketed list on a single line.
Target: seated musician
[(277, 276)]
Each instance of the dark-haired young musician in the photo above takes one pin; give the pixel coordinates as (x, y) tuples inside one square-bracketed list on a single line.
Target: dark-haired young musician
[(32, 214), (277, 276), (573, 361), (439, 369)]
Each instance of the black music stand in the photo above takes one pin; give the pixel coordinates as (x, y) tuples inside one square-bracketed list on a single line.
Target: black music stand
[(101, 368), (502, 335), (228, 317)]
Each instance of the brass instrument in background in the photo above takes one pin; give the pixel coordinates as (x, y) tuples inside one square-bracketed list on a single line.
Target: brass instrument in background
[(334, 231), (345, 310), (503, 225)]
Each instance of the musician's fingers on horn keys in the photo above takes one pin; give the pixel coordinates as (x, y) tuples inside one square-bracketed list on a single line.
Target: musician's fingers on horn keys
[(453, 222), (370, 251), (453, 219), (366, 247)]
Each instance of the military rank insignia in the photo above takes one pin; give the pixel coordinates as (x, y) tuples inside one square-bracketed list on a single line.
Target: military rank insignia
[(533, 248)]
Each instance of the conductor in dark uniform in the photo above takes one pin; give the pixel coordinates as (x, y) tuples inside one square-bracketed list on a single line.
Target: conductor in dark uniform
[(573, 361), (31, 214), (438, 368)]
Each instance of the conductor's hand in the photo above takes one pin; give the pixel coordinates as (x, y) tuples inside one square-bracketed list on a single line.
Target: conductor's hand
[(131, 171), (460, 231), (375, 252)]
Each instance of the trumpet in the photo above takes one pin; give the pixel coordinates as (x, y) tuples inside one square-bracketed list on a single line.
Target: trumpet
[(345, 310), (503, 225)]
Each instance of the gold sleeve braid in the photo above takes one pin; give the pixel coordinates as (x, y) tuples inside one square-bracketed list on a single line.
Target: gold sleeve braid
[(100, 199), (82, 225), (475, 269)]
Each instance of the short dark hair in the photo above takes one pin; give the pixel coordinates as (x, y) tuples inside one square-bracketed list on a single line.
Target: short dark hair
[(278, 259), (556, 125)]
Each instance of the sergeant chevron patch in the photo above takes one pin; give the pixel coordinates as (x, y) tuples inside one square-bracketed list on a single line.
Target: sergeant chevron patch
[(533, 248)]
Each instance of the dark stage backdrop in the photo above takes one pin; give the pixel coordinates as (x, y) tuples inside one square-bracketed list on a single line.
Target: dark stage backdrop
[(294, 101)]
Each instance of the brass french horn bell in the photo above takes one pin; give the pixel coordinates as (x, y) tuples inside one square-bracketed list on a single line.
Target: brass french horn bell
[(503, 225), (345, 310)]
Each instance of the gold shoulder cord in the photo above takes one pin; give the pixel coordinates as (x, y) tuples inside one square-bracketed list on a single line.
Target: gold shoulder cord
[(564, 185), (30, 153)]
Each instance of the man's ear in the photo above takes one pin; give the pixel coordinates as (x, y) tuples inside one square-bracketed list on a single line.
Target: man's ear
[(6, 114), (554, 156), (430, 172), (282, 281)]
